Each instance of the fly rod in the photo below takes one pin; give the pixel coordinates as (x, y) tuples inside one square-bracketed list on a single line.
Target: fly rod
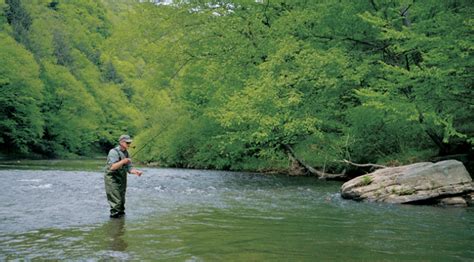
[(148, 142)]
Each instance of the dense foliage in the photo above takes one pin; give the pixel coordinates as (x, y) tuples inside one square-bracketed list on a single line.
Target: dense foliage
[(239, 84)]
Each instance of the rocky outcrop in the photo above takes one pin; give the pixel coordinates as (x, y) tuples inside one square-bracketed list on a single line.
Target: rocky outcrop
[(445, 183)]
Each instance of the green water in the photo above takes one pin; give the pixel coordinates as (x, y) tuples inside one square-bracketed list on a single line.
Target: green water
[(61, 213), (59, 164)]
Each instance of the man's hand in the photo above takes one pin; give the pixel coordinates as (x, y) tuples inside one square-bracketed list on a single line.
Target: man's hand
[(136, 172), (120, 163)]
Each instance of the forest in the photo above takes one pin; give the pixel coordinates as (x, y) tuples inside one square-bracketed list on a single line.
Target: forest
[(268, 85)]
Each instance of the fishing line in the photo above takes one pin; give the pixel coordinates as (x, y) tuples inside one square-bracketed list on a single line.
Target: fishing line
[(148, 142)]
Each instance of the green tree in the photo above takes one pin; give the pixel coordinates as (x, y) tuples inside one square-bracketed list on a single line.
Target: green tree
[(250, 84), (70, 113), (21, 122), (19, 19), (423, 71)]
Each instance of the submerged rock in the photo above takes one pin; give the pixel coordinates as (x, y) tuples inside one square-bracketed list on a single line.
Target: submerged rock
[(453, 201), (416, 183)]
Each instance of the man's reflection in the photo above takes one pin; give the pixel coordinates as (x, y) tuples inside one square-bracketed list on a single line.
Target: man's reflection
[(115, 229)]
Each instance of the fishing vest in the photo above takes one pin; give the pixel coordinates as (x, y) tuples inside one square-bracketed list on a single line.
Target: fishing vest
[(122, 155)]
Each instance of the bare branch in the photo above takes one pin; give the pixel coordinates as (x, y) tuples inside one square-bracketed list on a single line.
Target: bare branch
[(363, 165), (321, 175)]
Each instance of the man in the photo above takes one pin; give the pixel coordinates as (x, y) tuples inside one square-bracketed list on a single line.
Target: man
[(118, 165)]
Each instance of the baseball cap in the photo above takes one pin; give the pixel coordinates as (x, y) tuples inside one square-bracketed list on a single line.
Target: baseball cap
[(125, 138)]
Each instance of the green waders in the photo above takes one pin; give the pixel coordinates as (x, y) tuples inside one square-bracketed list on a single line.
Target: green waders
[(115, 187)]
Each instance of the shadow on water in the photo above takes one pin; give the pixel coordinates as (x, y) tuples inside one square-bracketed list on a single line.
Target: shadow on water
[(115, 230)]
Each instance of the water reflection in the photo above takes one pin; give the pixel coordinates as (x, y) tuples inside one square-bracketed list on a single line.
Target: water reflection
[(115, 231)]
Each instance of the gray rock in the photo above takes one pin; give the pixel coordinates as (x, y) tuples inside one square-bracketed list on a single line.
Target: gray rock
[(411, 183), (453, 201), (470, 199)]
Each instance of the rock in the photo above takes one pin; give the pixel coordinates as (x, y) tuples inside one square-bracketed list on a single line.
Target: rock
[(470, 199), (453, 201), (420, 182)]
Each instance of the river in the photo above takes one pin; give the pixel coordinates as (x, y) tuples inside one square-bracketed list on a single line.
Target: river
[(59, 211)]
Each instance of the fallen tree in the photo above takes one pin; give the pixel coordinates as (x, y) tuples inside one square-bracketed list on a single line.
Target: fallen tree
[(299, 167)]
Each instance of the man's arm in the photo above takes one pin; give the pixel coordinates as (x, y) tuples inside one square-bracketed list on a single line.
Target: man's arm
[(136, 172), (114, 162), (120, 163)]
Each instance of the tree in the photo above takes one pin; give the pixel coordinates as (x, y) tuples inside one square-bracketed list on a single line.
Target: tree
[(21, 122), (423, 74), (20, 20), (70, 113)]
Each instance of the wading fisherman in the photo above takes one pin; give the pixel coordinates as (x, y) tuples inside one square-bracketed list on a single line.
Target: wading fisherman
[(118, 165)]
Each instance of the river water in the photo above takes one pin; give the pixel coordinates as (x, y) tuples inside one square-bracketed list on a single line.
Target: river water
[(193, 215)]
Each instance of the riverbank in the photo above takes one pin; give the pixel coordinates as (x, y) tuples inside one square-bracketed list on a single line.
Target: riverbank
[(95, 164), (98, 164)]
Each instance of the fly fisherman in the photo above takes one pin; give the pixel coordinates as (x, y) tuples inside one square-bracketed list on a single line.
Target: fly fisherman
[(118, 165)]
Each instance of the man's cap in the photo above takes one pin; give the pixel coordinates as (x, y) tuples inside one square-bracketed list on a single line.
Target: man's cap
[(125, 138)]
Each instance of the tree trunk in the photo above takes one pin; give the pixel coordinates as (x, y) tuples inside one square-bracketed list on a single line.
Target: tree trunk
[(298, 167)]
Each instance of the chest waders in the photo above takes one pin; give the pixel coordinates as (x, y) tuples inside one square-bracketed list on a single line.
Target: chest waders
[(116, 186)]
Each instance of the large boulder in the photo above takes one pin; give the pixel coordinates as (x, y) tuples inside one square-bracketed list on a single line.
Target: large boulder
[(446, 183)]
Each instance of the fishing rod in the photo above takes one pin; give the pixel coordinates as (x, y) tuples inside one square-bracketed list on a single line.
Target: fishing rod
[(148, 142)]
